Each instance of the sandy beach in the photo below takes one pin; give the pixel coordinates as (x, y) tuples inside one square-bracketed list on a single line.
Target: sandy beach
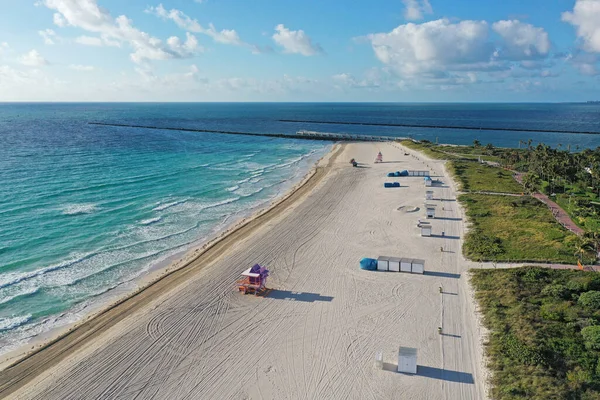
[(315, 335)]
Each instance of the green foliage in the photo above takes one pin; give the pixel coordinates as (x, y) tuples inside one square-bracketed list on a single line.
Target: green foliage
[(477, 244), (590, 300), (591, 336), (505, 228), (445, 152), (474, 176), (542, 344), (556, 291)]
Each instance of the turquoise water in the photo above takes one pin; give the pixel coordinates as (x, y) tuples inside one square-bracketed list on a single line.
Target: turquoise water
[(84, 210)]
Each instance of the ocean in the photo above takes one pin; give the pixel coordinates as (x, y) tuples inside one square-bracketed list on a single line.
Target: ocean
[(86, 210)]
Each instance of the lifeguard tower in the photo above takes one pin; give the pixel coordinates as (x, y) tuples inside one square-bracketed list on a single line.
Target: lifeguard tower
[(379, 158), (254, 280)]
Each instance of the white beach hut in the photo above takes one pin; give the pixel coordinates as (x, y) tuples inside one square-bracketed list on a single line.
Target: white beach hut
[(426, 230), (394, 264), (430, 212), (429, 195), (418, 266), (407, 360), (406, 265), (379, 360), (383, 263)]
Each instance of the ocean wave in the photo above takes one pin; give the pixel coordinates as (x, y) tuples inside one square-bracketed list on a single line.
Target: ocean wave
[(247, 193), (13, 322), (11, 279), (150, 221), (218, 203), (25, 293), (233, 188), (162, 207), (76, 209)]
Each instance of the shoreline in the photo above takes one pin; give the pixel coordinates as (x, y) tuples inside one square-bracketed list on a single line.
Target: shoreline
[(320, 206), (96, 320), (93, 306)]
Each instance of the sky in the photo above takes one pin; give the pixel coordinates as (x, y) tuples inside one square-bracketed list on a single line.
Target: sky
[(309, 50)]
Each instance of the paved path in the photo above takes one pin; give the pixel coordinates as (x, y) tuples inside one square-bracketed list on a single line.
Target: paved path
[(561, 215), (492, 265)]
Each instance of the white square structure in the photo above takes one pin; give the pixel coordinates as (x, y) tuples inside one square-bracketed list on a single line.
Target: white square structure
[(430, 212), (394, 264), (418, 266), (407, 360), (383, 263), (406, 265), (426, 231), (429, 195), (379, 360)]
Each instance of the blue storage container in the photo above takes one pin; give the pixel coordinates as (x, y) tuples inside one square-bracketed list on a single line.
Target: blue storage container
[(370, 264)]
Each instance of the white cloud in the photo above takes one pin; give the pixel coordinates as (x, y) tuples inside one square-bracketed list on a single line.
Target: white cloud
[(458, 53), (59, 20), (295, 42), (585, 63), (416, 8), (522, 40), (87, 15), (89, 40), (33, 59), (414, 49), (225, 36), (78, 67), (3, 47), (48, 35), (586, 18)]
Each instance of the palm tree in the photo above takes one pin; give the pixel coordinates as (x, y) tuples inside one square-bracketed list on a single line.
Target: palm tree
[(585, 247), (476, 143), (531, 181)]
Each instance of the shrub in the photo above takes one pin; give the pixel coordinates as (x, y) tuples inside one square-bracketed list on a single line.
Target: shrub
[(591, 337), (556, 291), (483, 245), (590, 299)]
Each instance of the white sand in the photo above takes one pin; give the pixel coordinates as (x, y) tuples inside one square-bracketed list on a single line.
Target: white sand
[(316, 335)]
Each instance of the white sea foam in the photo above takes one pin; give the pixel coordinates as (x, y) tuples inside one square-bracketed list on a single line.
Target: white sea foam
[(12, 278), (218, 203), (162, 207), (233, 188), (25, 292), (76, 209), (150, 221), (13, 322)]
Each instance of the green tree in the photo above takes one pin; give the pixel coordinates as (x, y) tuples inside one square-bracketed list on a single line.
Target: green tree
[(591, 336), (476, 143), (590, 300), (531, 182)]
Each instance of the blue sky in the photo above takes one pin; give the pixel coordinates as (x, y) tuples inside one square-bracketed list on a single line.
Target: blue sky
[(310, 50)]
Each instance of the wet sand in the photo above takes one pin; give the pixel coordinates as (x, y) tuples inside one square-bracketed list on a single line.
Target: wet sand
[(192, 335)]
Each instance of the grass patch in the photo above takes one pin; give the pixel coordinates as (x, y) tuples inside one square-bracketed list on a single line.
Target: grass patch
[(506, 228), (584, 210), (445, 152), (474, 176), (544, 332), (428, 149)]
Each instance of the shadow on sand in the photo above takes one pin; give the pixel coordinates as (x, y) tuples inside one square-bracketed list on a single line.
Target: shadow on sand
[(442, 274), (434, 373), (296, 296), (451, 335), (445, 236), (448, 219)]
